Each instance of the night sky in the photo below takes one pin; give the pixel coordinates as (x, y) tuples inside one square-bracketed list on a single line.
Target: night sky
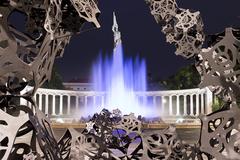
[(141, 35)]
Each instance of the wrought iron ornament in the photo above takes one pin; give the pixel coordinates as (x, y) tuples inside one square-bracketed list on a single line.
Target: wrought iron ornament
[(218, 66), (183, 28), (112, 137), (28, 56)]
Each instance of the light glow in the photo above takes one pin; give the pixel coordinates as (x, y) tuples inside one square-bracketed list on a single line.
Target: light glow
[(120, 80)]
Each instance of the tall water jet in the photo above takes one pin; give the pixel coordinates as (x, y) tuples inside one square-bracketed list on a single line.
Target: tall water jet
[(122, 80)]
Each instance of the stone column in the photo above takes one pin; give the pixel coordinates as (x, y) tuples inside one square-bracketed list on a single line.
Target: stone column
[(209, 101), (184, 105), (40, 101), (46, 104), (163, 104), (154, 101), (53, 105), (85, 101), (170, 106), (197, 104), (178, 107), (77, 103), (191, 105), (68, 105), (202, 103), (61, 104)]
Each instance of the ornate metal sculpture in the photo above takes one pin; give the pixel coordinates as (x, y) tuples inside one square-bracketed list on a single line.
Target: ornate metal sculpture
[(218, 66), (220, 134), (120, 138), (182, 27), (50, 24), (27, 57)]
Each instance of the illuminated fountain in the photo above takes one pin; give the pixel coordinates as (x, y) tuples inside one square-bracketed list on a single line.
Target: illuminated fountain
[(121, 79)]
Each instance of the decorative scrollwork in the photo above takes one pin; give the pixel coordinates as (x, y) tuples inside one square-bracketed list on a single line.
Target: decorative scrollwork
[(9, 126), (188, 33), (163, 10), (82, 146), (27, 57), (220, 134), (159, 144), (128, 144), (218, 66), (130, 124), (182, 27)]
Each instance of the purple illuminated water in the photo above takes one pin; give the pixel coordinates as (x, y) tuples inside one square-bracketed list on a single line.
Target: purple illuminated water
[(121, 80)]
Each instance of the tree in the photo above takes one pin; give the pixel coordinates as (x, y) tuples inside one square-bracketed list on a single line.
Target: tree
[(56, 80), (154, 83), (186, 78)]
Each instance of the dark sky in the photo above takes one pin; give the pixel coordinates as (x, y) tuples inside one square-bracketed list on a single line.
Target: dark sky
[(141, 35)]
